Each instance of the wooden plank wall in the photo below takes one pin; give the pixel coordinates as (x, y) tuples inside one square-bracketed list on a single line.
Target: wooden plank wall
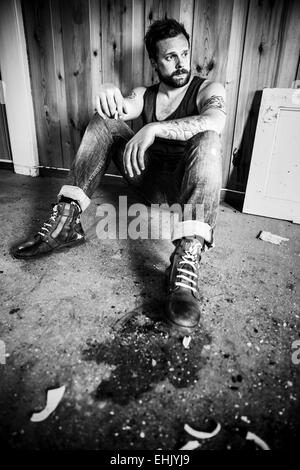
[(5, 151), (270, 59), (75, 45)]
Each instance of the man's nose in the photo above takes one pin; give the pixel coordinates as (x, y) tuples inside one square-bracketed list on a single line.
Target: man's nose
[(180, 62)]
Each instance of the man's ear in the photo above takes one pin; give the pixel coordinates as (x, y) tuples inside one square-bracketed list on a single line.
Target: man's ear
[(154, 64)]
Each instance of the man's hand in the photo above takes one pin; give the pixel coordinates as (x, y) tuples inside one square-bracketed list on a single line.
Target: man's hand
[(135, 149), (110, 102)]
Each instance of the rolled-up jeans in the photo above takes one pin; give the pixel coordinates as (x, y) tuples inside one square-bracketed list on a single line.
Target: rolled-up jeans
[(192, 180)]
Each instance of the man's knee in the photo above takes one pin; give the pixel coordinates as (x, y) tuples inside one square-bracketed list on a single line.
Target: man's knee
[(109, 128), (205, 136), (207, 142), (98, 121)]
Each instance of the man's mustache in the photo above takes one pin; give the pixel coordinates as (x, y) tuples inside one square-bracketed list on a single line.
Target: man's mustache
[(179, 72)]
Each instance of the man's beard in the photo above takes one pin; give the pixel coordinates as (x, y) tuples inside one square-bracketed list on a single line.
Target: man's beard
[(171, 79)]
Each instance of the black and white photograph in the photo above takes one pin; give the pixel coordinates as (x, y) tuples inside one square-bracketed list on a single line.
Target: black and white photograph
[(150, 228)]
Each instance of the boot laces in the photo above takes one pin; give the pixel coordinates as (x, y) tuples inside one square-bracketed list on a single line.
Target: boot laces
[(50, 222), (189, 277)]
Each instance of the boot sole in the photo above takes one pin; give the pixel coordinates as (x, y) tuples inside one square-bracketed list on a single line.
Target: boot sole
[(41, 255)]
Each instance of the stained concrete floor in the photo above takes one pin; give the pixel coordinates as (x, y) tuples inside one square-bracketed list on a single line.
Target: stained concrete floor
[(89, 319)]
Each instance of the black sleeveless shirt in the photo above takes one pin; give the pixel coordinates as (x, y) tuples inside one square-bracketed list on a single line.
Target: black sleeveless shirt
[(187, 107)]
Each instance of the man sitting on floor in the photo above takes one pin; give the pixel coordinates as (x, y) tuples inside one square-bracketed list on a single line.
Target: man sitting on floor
[(176, 157)]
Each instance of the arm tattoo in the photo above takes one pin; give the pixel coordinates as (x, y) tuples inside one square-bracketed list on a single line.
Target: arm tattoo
[(131, 96), (216, 102), (183, 129)]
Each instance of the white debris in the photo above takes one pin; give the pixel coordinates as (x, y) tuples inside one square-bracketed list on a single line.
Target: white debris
[(53, 398), (118, 254), (258, 441), (245, 419), (190, 445), (201, 434), (186, 341), (154, 362), (270, 237)]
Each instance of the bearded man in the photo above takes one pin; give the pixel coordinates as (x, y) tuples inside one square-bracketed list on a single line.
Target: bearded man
[(175, 157)]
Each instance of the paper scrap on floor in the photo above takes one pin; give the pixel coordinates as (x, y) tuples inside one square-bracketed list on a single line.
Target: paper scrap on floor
[(53, 398), (272, 238), (202, 434)]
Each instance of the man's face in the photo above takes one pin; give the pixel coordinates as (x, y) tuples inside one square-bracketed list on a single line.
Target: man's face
[(173, 61)]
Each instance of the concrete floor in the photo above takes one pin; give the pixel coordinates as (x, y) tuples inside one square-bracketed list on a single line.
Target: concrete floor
[(88, 318)]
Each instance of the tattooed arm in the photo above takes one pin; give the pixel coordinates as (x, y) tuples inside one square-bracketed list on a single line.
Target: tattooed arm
[(212, 115)]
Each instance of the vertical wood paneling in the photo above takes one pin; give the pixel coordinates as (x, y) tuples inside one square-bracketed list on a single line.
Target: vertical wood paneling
[(232, 79), (127, 28), (74, 46), (138, 33), (117, 43), (212, 27), (67, 150), (261, 55), (95, 49), (290, 51), (111, 41), (138, 50), (5, 153), (77, 63), (217, 53), (298, 70), (185, 16), (37, 16)]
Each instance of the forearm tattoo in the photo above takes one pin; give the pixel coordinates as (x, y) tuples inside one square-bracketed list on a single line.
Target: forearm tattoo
[(184, 129), (131, 96), (215, 102)]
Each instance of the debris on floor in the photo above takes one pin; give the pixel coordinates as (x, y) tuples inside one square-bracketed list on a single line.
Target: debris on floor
[(245, 419), (258, 441), (186, 342), (122, 366), (201, 434), (190, 445), (54, 396), (118, 254), (270, 237)]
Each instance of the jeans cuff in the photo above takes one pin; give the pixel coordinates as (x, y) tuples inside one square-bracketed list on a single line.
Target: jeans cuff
[(74, 192), (190, 228)]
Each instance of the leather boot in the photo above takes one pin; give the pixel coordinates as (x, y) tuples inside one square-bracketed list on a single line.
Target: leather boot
[(63, 229), (182, 308)]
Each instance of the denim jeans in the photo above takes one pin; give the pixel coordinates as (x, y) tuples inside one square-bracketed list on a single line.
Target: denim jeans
[(193, 178)]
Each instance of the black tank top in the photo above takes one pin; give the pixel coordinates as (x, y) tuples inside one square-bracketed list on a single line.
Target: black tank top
[(187, 107)]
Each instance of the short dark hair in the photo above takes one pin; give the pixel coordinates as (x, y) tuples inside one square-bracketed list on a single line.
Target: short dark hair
[(162, 29)]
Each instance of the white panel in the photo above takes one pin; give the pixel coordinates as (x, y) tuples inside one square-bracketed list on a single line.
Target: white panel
[(284, 171), (17, 91), (273, 188)]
